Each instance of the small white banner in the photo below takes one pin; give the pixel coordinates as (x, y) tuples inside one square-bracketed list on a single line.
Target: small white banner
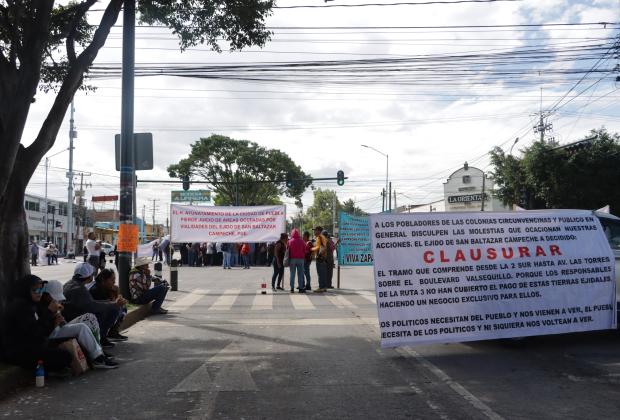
[(453, 277), (227, 224)]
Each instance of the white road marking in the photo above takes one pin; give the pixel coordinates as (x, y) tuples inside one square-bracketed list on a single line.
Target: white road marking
[(341, 302), (262, 302), (226, 301), (456, 387), (291, 322), (368, 295), (301, 302), (188, 300)]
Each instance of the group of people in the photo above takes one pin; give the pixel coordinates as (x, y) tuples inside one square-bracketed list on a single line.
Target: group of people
[(297, 253), (225, 255), (89, 308), (162, 249), (51, 253)]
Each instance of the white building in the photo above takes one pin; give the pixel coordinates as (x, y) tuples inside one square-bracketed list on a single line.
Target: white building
[(56, 221), (467, 189)]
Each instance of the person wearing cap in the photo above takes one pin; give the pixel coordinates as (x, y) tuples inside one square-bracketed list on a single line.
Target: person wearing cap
[(49, 312), (25, 334), (320, 252), (80, 301), (142, 293)]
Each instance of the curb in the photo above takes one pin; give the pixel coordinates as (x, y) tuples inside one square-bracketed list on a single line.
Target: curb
[(14, 377)]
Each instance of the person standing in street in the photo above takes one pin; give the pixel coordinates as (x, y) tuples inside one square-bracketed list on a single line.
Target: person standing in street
[(34, 254), (307, 259), (245, 255), (226, 251), (278, 262), (94, 251), (297, 254), (320, 252), (331, 247)]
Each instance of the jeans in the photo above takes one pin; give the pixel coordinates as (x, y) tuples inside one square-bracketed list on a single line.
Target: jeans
[(246, 260), (84, 337), (34, 258), (191, 256), (321, 271), (227, 259), (157, 294), (106, 319), (278, 273), (307, 273), (330, 274), (297, 265)]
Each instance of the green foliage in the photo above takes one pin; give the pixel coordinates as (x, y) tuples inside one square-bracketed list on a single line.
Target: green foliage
[(322, 209), (553, 176), (349, 207), (222, 162)]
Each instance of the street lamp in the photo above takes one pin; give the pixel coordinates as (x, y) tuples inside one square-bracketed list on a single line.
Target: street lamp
[(513, 145), (387, 171)]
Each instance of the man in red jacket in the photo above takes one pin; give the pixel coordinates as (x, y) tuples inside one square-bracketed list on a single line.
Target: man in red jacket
[(297, 254)]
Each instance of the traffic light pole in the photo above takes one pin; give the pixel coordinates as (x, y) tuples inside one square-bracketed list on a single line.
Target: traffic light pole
[(127, 169)]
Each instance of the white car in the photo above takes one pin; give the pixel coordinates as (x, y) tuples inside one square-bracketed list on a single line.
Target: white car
[(611, 226), (107, 248)]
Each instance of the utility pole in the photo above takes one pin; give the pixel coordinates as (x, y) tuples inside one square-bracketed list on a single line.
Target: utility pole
[(383, 201), (46, 211), (72, 135), (395, 206), (335, 201), (153, 226), (143, 223), (542, 127), (484, 177), (127, 167), (390, 198)]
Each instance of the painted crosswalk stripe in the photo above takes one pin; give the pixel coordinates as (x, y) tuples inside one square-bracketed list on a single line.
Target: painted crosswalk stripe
[(301, 301), (226, 301), (188, 300), (368, 295), (262, 302), (341, 302)]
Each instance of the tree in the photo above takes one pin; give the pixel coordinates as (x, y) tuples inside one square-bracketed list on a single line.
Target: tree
[(242, 169), (582, 175), (321, 211), (51, 47), (349, 207)]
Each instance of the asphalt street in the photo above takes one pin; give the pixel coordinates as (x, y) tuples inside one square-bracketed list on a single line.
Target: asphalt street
[(227, 352)]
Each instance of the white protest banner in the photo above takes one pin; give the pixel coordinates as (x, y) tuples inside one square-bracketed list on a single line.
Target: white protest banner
[(453, 277), (227, 224)]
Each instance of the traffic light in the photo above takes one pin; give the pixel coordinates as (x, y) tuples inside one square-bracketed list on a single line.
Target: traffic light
[(340, 178), (185, 179), (289, 181)]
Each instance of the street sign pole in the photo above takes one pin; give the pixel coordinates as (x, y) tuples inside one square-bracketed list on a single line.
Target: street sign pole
[(127, 169)]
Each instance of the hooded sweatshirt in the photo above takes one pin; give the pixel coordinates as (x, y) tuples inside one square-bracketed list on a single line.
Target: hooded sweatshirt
[(296, 246), (80, 301)]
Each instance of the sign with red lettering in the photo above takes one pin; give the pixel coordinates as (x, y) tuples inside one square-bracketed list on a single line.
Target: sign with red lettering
[(453, 277), (226, 224)]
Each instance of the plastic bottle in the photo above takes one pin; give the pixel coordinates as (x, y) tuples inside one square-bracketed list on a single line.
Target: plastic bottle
[(39, 375)]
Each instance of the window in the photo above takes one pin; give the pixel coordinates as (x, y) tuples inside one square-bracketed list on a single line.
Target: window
[(612, 231), (32, 206), (466, 179), (62, 209)]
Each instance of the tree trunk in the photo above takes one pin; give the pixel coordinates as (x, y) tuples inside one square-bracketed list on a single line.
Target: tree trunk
[(13, 235)]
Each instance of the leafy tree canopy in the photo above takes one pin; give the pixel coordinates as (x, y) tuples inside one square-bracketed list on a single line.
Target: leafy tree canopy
[(581, 176), (222, 162), (349, 207), (322, 209)]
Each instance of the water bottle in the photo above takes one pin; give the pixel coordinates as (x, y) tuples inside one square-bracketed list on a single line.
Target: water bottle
[(39, 375)]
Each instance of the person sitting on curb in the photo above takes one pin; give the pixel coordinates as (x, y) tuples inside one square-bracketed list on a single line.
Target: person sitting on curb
[(142, 293), (80, 301), (106, 289), (25, 334), (49, 312)]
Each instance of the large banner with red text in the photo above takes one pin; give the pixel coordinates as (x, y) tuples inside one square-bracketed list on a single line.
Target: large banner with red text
[(226, 224), (453, 277)]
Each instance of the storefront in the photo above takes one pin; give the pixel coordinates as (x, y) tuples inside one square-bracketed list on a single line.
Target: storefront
[(470, 189)]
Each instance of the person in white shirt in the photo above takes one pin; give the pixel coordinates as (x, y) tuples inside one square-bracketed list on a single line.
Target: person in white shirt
[(94, 251)]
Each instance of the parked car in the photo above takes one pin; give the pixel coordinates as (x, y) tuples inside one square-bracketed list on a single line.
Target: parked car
[(611, 226), (107, 248)]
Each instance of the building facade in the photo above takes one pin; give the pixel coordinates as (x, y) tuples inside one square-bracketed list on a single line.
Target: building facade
[(50, 226), (469, 189)]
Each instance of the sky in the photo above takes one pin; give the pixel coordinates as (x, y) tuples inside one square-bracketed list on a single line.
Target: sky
[(439, 85)]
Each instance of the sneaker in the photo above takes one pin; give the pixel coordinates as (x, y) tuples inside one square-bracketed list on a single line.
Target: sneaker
[(103, 362), (280, 288), (320, 290), (106, 344), (108, 355), (308, 288), (292, 290), (160, 311), (116, 336), (302, 290)]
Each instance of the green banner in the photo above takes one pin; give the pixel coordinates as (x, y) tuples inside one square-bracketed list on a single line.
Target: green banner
[(191, 196)]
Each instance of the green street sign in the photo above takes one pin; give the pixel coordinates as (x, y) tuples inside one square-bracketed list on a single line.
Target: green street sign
[(190, 196)]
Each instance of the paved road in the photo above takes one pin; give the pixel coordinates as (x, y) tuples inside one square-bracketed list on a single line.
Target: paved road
[(226, 351)]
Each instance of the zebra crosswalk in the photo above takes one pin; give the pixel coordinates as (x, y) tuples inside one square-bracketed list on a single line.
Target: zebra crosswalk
[(235, 299)]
